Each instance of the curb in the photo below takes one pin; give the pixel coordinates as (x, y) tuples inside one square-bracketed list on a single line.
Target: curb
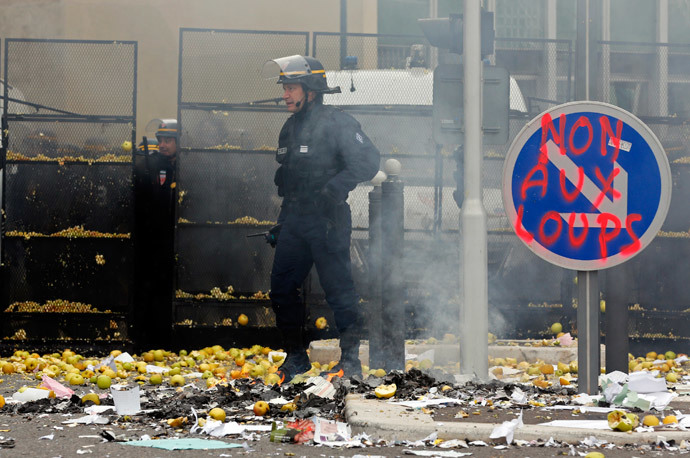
[(325, 351), (390, 421)]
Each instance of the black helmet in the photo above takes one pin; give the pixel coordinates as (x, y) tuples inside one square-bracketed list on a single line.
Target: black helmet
[(167, 128), (300, 69), (163, 127), (152, 145)]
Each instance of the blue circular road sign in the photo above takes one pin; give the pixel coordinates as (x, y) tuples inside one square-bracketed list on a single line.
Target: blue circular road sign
[(586, 185)]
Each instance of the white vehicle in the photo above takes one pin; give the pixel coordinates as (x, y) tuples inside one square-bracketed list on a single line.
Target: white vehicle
[(414, 86), (408, 88)]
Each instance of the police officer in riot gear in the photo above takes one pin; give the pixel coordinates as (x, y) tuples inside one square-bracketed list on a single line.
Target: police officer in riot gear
[(323, 154), (154, 202)]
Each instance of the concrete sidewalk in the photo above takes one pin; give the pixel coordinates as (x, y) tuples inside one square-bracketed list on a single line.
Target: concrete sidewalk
[(389, 421), (385, 420)]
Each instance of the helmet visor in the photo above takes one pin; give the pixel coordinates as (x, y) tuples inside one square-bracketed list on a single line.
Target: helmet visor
[(288, 68)]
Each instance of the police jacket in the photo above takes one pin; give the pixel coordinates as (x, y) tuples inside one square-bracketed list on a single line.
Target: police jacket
[(154, 190), (323, 151)]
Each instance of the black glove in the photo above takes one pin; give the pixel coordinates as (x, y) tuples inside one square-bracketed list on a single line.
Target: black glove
[(272, 235)]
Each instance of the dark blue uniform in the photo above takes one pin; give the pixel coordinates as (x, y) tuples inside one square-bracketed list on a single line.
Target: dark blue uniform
[(323, 155), (155, 193)]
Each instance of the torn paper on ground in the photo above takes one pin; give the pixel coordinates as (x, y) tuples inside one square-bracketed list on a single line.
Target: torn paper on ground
[(320, 387), (507, 429)]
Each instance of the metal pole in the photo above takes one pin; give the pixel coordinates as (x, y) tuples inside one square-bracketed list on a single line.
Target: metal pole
[(588, 332), (343, 33), (581, 52), (377, 358), (474, 315), (392, 240), (616, 319)]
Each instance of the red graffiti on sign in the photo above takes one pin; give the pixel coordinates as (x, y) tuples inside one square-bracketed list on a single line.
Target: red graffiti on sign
[(610, 224)]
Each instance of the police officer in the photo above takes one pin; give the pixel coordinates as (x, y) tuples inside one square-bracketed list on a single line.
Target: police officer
[(155, 193), (323, 154)]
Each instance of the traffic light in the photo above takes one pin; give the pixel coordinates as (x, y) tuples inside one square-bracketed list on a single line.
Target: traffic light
[(446, 32)]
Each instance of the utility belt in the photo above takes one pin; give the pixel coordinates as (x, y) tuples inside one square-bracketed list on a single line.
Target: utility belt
[(300, 205)]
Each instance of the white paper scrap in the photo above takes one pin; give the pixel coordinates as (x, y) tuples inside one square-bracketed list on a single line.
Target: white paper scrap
[(124, 358), (217, 428), (94, 409), (428, 402), (89, 420), (126, 399), (615, 376), (49, 437), (151, 369), (507, 429), (645, 382), (518, 396), (584, 424), (441, 453), (330, 431), (321, 387)]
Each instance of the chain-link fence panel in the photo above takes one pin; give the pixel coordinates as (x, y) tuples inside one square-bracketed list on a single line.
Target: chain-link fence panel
[(230, 123), (67, 201), (224, 66), (73, 76)]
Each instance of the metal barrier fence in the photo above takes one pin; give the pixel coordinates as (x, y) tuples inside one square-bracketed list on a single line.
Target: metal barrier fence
[(230, 120), (67, 203)]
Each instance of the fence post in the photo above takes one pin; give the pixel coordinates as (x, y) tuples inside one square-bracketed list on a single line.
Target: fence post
[(377, 358), (392, 239)]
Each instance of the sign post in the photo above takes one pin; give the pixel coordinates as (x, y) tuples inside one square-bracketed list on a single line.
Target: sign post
[(586, 186)]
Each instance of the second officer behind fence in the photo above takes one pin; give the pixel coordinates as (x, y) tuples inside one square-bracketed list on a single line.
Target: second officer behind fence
[(155, 196), (323, 154)]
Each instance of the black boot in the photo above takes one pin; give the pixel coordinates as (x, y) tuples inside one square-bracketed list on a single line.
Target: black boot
[(297, 360), (349, 351)]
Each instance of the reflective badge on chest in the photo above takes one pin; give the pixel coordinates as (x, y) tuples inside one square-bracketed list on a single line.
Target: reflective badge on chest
[(304, 149), (161, 177)]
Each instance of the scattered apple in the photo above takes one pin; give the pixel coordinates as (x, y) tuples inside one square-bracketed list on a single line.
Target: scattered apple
[(385, 391), (556, 328), (650, 420), (92, 398), (289, 407), (243, 320), (103, 382), (321, 323), (669, 419), (217, 414), (261, 408), (177, 380)]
